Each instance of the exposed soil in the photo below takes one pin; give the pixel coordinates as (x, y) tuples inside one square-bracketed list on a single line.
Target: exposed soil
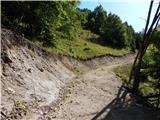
[(99, 95), (37, 85)]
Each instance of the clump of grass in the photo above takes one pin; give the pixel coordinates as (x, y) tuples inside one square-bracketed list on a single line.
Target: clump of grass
[(123, 72)]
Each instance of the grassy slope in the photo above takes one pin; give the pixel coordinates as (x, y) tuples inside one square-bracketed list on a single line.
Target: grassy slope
[(82, 48)]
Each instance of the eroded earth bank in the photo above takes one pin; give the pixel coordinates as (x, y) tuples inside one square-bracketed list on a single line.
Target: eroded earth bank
[(38, 85)]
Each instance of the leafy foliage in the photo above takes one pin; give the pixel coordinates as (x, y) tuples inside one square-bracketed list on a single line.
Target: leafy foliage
[(111, 29), (82, 48), (151, 62), (43, 20), (149, 74), (52, 21)]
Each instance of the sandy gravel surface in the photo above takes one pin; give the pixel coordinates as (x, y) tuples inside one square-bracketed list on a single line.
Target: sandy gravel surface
[(98, 95)]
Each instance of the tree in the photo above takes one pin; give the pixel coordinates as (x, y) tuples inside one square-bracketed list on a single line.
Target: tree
[(43, 20), (111, 29), (114, 31), (138, 39), (97, 20), (129, 36), (147, 40), (150, 70)]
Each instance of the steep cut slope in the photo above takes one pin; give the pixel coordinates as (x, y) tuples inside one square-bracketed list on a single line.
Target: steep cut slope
[(29, 73)]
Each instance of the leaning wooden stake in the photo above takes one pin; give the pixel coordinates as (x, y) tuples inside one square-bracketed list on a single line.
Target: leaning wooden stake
[(147, 38)]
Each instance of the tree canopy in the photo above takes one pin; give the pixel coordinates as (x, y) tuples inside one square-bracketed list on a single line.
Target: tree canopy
[(110, 27), (50, 20), (42, 20)]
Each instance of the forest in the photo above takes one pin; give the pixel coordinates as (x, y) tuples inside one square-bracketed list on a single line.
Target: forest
[(63, 28), (49, 21)]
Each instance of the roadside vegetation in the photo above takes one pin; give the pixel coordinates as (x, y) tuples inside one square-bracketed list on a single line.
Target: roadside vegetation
[(83, 48), (149, 86), (123, 72), (62, 27)]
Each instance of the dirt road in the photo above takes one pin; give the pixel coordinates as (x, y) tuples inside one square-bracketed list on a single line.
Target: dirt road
[(33, 82), (98, 95)]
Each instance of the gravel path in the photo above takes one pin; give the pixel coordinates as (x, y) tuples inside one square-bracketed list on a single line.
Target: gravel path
[(98, 95)]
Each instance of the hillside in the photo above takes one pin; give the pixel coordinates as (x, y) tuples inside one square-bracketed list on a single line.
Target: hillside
[(83, 47), (69, 30), (63, 62), (35, 83), (29, 73), (34, 77)]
